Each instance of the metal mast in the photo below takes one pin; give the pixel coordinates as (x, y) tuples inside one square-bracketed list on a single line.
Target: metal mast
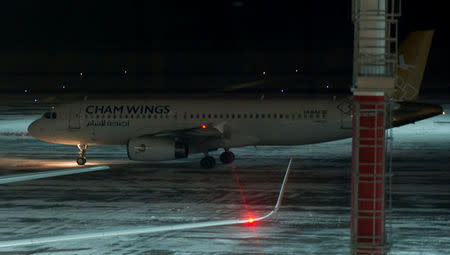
[(374, 79)]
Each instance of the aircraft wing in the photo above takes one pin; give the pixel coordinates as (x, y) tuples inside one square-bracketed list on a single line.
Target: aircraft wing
[(205, 130)]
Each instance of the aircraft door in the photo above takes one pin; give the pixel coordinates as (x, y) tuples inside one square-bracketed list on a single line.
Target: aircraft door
[(345, 108), (74, 119), (346, 120)]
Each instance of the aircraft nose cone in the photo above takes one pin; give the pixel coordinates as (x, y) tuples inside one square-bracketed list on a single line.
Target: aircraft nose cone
[(33, 128)]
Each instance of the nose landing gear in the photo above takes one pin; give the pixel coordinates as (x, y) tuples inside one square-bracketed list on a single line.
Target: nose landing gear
[(81, 160)]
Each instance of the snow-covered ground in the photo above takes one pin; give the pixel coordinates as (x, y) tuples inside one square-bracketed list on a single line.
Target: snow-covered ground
[(314, 218)]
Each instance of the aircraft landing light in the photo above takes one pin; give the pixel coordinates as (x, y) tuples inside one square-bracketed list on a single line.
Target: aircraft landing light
[(149, 229), (203, 126), (48, 174)]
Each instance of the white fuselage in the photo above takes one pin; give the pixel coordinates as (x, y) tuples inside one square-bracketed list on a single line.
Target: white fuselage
[(281, 121)]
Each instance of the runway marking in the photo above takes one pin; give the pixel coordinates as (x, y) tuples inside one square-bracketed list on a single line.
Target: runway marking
[(48, 174), (151, 229)]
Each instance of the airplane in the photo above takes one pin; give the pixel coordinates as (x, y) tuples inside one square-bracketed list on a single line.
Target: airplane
[(167, 128)]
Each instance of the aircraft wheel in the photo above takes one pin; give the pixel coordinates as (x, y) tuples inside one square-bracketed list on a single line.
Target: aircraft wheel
[(81, 161), (208, 162), (227, 157)]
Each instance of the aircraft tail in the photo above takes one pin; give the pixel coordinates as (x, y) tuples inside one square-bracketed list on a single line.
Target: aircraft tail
[(413, 55)]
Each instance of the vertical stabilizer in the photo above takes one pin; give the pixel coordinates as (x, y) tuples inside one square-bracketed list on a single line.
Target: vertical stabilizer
[(413, 55)]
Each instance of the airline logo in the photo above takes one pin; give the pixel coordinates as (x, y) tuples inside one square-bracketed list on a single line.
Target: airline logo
[(128, 109)]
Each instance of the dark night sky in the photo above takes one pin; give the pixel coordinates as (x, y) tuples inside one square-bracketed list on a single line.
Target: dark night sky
[(190, 44)]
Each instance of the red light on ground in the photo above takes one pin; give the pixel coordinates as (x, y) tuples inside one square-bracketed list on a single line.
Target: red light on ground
[(251, 220), (203, 126)]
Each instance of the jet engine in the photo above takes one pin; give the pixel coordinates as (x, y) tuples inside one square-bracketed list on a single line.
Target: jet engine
[(156, 148)]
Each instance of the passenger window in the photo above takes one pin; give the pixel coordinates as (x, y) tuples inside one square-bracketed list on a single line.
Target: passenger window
[(54, 115), (256, 116), (263, 116), (47, 115), (245, 115), (239, 116)]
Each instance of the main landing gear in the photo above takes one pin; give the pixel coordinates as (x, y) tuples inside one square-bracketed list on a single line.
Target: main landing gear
[(81, 160), (209, 162), (227, 156)]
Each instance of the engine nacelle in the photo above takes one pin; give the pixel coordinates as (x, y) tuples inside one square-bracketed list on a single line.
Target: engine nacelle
[(156, 148)]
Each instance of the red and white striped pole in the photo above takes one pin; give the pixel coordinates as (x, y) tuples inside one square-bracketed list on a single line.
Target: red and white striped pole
[(368, 172)]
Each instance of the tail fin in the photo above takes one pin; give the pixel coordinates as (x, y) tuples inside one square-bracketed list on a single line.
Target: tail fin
[(413, 55)]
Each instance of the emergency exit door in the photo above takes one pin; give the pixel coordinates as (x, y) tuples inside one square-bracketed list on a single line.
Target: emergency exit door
[(74, 120)]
